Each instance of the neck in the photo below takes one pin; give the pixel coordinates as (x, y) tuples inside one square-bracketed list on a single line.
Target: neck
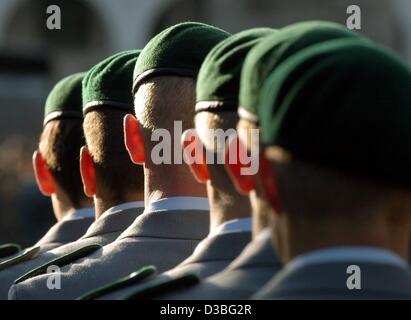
[(302, 236), (226, 205), (263, 214), (165, 181), (61, 206)]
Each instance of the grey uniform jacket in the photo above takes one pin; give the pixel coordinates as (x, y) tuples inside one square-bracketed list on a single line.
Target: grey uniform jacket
[(61, 233), (64, 232), (104, 230), (162, 238), (329, 281), (212, 255), (251, 270)]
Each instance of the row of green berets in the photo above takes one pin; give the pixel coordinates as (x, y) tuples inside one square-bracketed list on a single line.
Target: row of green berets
[(267, 164)]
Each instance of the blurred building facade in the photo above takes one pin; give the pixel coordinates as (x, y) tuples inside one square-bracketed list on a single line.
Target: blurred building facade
[(94, 29)]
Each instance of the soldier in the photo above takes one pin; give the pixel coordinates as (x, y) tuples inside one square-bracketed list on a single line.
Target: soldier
[(216, 110), (56, 164), (258, 262), (176, 214), (336, 170), (108, 175)]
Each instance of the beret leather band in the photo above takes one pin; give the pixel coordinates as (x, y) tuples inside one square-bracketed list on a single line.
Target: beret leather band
[(216, 106), (94, 105), (247, 115), (162, 72), (62, 114)]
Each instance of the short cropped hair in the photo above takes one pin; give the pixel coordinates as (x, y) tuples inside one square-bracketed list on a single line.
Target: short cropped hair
[(205, 122), (116, 175), (165, 99), (59, 145)]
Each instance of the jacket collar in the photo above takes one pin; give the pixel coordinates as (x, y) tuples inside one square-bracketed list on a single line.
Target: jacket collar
[(115, 219), (221, 247), (337, 254), (328, 280), (235, 225), (79, 214), (66, 231), (178, 203), (123, 207), (170, 223), (259, 253)]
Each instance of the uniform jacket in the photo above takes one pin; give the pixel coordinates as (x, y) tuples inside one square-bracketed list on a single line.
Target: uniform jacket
[(329, 280), (103, 231), (212, 255), (159, 237)]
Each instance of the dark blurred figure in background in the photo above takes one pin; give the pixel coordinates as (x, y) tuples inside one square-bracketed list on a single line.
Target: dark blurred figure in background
[(21, 204), (25, 215)]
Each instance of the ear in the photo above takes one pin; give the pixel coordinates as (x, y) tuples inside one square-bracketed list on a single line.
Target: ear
[(43, 175), (194, 155), (133, 139), (87, 172), (243, 183), (269, 182)]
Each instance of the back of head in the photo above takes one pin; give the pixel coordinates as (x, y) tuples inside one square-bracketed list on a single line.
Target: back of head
[(218, 87), (117, 178), (165, 75), (106, 100), (62, 137), (162, 100), (60, 144), (215, 122), (341, 155), (345, 125)]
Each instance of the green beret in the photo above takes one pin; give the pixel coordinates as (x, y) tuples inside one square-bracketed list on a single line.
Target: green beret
[(344, 104), (108, 83), (218, 81), (178, 50), (64, 100), (265, 56)]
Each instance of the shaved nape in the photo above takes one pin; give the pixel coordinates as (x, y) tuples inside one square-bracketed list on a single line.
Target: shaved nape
[(158, 97), (116, 175)]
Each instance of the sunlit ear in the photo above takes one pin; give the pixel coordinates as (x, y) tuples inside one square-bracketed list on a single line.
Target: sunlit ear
[(43, 175), (194, 155), (243, 183), (269, 182), (133, 139), (87, 171)]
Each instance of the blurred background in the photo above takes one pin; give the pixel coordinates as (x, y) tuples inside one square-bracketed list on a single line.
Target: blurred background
[(33, 58)]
